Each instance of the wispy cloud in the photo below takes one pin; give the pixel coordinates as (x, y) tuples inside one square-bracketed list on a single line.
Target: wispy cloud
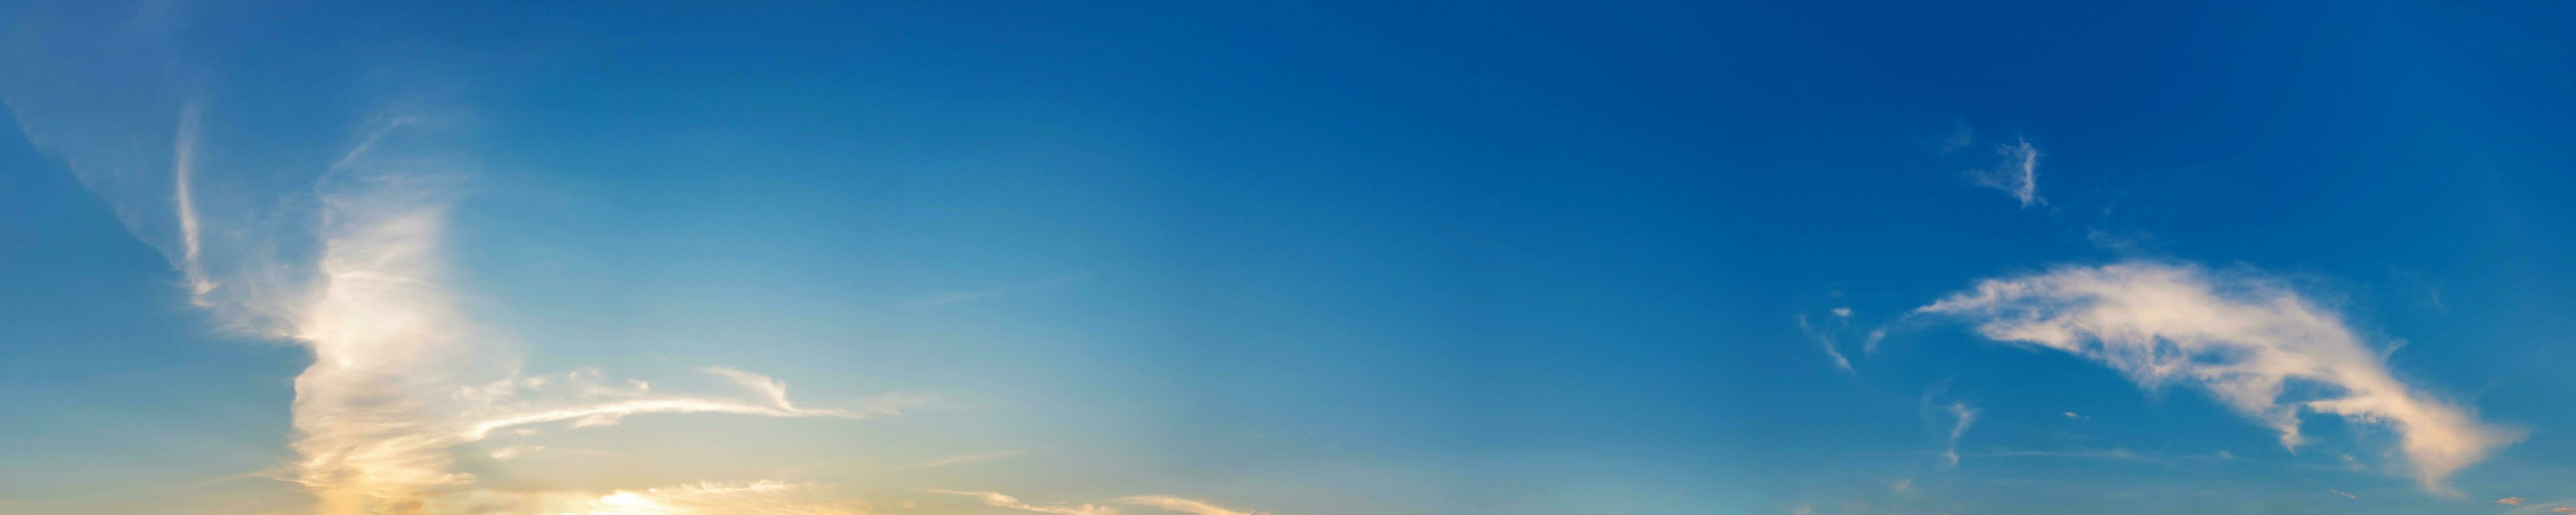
[(2241, 336), (2016, 173), (400, 374), (756, 498), (1825, 340), (2078, 418), (1961, 417), (954, 297), (183, 170), (998, 500), (2515, 501), (2114, 454), (970, 458), (1192, 506), (515, 451)]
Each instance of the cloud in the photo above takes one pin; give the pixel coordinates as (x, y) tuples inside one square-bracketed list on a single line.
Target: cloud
[(2078, 418), (989, 456), (515, 451), (1825, 340), (349, 260), (183, 170), (2116, 454), (1960, 137), (1192, 506), (2341, 493), (998, 500), (954, 297), (1963, 415), (756, 498), (1900, 485), (2016, 173), (2516, 501), (394, 381), (2563, 509), (2243, 337)]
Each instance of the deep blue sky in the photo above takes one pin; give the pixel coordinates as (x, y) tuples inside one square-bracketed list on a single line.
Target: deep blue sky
[(1319, 258)]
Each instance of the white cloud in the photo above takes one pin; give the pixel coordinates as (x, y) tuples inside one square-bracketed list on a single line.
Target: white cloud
[(1962, 416), (756, 498), (2016, 173), (2116, 454), (183, 170), (998, 500), (2516, 501), (354, 269), (515, 451), (1825, 340), (989, 456), (2241, 336), (1192, 506), (2078, 418)]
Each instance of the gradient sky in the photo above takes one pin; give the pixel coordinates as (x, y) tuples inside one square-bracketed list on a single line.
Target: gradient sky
[(1228, 258)]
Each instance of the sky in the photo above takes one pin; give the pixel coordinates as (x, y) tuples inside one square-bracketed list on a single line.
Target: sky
[(1282, 258)]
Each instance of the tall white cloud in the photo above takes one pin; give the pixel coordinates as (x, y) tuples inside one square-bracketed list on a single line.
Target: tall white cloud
[(337, 243), (2242, 336)]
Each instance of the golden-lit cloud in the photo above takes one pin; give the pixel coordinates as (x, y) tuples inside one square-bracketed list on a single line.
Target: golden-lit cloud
[(2243, 337), (1191, 506), (999, 500)]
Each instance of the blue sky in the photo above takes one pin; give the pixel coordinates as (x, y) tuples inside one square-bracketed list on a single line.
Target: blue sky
[(1286, 258)]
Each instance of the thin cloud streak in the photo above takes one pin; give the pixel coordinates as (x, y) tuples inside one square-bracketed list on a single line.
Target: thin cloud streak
[(1825, 341), (755, 498), (989, 456), (1191, 506), (183, 169), (2243, 337), (999, 500), (1962, 416)]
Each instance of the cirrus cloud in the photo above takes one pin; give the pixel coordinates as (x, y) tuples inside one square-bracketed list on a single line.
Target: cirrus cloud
[(2244, 337)]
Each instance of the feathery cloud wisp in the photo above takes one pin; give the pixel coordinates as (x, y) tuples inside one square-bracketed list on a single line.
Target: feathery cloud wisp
[(989, 456), (755, 498), (1825, 340), (1192, 506), (998, 500), (2241, 336), (1962, 416), (2016, 173)]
